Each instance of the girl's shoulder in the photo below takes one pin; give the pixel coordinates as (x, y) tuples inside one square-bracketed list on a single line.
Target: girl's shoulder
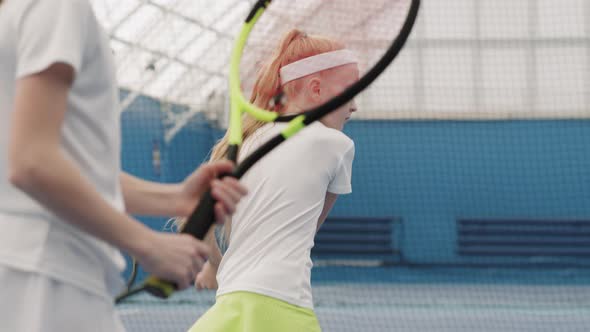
[(323, 142), (325, 135)]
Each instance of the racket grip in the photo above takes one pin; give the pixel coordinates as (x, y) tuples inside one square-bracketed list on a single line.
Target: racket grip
[(159, 288), (197, 225), (202, 218)]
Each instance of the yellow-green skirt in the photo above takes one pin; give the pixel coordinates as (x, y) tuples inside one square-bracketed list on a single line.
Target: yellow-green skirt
[(251, 312)]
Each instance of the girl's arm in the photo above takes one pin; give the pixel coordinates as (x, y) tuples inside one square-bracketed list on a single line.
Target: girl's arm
[(207, 277), (328, 205), (158, 199), (148, 198)]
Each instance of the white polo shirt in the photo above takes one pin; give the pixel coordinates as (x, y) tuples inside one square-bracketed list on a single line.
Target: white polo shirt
[(274, 226), (33, 36)]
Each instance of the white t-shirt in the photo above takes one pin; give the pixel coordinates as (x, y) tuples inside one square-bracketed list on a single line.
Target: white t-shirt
[(33, 36), (274, 226)]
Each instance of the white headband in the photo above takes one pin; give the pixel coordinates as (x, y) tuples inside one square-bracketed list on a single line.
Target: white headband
[(316, 63)]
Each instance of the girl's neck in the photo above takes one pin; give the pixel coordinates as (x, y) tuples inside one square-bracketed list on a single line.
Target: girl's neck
[(292, 109)]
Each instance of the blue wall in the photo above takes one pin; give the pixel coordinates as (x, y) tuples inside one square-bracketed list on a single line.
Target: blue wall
[(428, 173), (190, 148), (431, 173)]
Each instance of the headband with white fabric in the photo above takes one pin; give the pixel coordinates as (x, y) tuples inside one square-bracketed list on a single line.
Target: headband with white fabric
[(316, 63)]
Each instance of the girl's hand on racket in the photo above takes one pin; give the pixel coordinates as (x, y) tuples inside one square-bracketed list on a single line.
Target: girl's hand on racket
[(206, 279), (227, 191), (174, 257)]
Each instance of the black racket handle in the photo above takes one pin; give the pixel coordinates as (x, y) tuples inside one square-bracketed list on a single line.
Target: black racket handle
[(202, 218), (197, 225)]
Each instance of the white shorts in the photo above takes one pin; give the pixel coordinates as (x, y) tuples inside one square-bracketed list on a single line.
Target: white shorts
[(32, 302)]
